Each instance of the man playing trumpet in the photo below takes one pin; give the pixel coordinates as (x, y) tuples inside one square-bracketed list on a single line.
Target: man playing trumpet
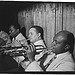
[(17, 40), (62, 48), (36, 38)]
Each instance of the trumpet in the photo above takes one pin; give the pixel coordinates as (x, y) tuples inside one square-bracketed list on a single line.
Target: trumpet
[(20, 48), (19, 51)]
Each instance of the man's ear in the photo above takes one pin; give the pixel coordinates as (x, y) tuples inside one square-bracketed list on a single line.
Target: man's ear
[(17, 30), (67, 47), (39, 34)]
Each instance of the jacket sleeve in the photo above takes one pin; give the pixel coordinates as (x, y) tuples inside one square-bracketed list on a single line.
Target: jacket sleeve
[(67, 66), (33, 67)]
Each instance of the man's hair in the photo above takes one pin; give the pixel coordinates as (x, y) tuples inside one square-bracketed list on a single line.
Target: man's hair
[(69, 37), (70, 41), (16, 26), (39, 30)]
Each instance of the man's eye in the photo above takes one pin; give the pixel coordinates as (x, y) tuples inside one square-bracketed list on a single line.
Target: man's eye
[(31, 33), (11, 31), (57, 42)]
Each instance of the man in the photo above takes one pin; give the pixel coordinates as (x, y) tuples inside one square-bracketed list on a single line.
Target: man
[(5, 37), (62, 47), (18, 39), (5, 59), (36, 38)]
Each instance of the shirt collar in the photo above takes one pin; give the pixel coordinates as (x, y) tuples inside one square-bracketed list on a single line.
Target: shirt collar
[(63, 54), (38, 42)]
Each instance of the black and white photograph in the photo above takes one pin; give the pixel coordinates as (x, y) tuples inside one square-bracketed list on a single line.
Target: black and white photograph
[(37, 37)]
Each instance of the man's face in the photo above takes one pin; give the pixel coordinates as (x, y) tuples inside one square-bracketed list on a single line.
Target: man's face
[(4, 37), (12, 31), (33, 35), (58, 44)]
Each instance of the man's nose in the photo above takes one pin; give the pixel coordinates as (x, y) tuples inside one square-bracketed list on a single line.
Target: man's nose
[(53, 44), (29, 36), (9, 31)]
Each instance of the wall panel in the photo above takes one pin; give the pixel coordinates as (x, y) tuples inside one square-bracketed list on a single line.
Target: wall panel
[(52, 17)]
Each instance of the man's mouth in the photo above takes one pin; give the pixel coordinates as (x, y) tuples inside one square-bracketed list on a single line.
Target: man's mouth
[(29, 38), (53, 49)]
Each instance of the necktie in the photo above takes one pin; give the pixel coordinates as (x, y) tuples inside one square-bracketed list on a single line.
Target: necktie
[(43, 60), (46, 66)]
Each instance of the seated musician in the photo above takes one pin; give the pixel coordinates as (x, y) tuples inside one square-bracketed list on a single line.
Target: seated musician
[(17, 40), (5, 37), (62, 47), (5, 59), (36, 38)]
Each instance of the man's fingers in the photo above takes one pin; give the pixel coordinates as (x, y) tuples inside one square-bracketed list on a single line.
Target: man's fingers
[(31, 48)]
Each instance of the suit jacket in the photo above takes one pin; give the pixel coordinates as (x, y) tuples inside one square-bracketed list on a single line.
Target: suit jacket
[(33, 67), (63, 62)]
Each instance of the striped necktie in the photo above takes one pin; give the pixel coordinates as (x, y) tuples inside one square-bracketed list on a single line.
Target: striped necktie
[(46, 66), (43, 60)]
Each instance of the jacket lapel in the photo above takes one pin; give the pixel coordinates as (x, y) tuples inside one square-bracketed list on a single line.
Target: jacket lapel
[(56, 62)]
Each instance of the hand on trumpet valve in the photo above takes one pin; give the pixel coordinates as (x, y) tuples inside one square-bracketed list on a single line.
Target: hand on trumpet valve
[(31, 52)]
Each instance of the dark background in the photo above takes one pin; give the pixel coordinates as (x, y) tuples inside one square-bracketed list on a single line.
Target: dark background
[(9, 12), (9, 15)]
